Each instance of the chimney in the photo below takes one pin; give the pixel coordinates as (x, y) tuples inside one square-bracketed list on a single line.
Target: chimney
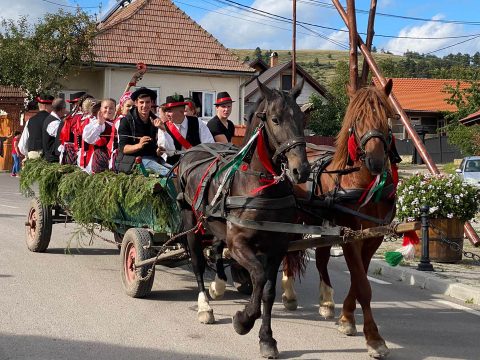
[(273, 59)]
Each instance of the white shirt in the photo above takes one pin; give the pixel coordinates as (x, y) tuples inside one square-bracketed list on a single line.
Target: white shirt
[(93, 130), (22, 143), (166, 141), (52, 128)]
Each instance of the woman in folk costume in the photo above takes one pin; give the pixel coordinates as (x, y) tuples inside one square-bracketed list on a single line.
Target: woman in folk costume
[(70, 133), (124, 107), (96, 134), (78, 126)]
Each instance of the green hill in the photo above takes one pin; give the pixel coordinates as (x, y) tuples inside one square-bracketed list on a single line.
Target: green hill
[(323, 69)]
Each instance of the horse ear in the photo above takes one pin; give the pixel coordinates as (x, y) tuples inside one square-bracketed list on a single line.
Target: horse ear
[(266, 91), (296, 91), (387, 89)]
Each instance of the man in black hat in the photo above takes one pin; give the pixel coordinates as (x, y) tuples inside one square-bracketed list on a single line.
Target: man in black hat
[(138, 133), (30, 144), (50, 127), (75, 97), (181, 131), (221, 128)]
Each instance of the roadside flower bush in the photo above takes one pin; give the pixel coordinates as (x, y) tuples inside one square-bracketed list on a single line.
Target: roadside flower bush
[(446, 195)]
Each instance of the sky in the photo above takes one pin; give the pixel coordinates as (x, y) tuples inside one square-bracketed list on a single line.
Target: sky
[(237, 27)]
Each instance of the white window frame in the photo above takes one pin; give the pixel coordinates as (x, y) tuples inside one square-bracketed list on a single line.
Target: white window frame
[(203, 116)]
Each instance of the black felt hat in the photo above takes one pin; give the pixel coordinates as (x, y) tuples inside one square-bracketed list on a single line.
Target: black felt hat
[(223, 97), (144, 91), (75, 97), (44, 99), (174, 101)]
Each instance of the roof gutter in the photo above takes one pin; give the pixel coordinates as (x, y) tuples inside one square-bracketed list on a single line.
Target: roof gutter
[(174, 69)]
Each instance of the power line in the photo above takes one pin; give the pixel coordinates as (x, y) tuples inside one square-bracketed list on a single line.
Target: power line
[(70, 6), (449, 46), (268, 14), (330, 6)]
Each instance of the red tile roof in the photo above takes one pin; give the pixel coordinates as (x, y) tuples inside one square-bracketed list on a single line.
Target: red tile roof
[(423, 94), (158, 33), (471, 119)]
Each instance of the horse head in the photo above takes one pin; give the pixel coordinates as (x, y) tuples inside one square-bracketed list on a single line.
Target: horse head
[(365, 131), (283, 122)]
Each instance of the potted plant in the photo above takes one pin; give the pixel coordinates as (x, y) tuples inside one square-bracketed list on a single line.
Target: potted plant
[(451, 202)]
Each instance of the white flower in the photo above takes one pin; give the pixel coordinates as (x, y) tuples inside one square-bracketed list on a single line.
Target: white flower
[(433, 209), (449, 216), (448, 196)]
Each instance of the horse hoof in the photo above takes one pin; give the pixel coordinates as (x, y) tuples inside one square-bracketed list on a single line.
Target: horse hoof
[(269, 350), (378, 352), (347, 328), (206, 317), (217, 288), (327, 312), (214, 295), (239, 326), (290, 305)]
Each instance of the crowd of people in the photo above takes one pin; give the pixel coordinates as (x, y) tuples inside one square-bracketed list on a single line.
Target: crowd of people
[(99, 135)]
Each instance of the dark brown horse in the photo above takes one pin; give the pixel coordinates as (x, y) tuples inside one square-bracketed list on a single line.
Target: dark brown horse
[(276, 159), (364, 142)]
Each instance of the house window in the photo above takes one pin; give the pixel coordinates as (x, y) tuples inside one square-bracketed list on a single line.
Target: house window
[(67, 95), (286, 82), (204, 103)]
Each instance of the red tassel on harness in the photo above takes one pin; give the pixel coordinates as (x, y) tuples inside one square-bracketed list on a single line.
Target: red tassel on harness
[(352, 148), (265, 160), (410, 237)]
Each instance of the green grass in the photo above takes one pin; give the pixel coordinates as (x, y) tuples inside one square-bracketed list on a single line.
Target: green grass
[(450, 168), (327, 60)]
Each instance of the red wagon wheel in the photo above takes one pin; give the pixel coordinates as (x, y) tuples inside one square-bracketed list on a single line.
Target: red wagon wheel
[(38, 226), (135, 248)]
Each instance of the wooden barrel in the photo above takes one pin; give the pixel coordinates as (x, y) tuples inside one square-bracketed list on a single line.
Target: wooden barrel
[(440, 252)]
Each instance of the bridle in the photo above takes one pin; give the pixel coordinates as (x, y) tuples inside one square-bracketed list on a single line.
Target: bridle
[(357, 144), (281, 148)]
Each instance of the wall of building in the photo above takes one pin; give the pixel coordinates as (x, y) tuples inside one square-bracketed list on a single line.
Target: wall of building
[(108, 82)]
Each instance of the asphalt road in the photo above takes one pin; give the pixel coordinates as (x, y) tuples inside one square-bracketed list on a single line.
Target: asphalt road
[(60, 306)]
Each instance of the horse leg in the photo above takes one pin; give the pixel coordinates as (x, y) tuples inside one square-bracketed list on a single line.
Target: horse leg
[(205, 312), (268, 345), (376, 345), (326, 302), (244, 320), (217, 287), (289, 296)]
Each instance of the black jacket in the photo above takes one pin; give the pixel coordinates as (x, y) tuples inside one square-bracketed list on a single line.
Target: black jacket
[(132, 125), (50, 146), (34, 126)]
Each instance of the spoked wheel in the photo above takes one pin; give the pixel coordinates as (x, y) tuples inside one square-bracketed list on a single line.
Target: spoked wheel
[(137, 282), (241, 279), (38, 226)]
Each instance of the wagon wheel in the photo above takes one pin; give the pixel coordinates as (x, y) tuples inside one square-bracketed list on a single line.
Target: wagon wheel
[(241, 279), (134, 249), (38, 226)]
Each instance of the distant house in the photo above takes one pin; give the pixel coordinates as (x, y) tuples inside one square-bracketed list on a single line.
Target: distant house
[(424, 101), (181, 57), (472, 119), (279, 76)]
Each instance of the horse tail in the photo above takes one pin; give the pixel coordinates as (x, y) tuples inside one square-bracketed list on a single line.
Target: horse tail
[(295, 263)]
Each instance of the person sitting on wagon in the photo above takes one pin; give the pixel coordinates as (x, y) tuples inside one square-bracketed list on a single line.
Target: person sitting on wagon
[(190, 108), (52, 122), (138, 132), (181, 132), (221, 128), (124, 106), (96, 134)]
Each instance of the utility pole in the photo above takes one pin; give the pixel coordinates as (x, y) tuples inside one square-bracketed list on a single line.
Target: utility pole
[(294, 47)]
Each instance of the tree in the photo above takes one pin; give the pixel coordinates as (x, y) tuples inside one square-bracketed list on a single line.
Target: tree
[(467, 101), (257, 53), (37, 57), (316, 62)]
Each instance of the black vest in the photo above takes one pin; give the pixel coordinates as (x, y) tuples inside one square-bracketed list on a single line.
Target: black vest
[(34, 126), (50, 153), (193, 137)]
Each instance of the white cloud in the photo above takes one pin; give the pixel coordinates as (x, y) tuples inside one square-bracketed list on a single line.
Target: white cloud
[(33, 10), (247, 30), (432, 29), (382, 4)]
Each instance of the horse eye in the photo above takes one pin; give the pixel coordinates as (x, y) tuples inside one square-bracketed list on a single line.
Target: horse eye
[(275, 120)]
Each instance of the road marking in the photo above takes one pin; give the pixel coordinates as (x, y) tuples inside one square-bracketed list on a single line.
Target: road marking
[(372, 279), (10, 207), (458, 307)]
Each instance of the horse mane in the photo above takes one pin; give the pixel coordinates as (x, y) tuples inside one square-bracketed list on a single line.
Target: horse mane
[(370, 105)]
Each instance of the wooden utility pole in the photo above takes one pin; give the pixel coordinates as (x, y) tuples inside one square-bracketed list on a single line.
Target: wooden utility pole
[(352, 20), (369, 39), (294, 46), (469, 231)]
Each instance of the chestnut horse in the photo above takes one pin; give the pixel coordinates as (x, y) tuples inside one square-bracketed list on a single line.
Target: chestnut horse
[(276, 159), (364, 151)]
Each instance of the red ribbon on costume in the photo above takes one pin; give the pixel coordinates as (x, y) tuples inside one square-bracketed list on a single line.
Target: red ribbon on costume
[(176, 134), (224, 99), (352, 148), (174, 104), (266, 162)]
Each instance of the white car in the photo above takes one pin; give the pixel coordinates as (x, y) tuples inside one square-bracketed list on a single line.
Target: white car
[(469, 170)]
